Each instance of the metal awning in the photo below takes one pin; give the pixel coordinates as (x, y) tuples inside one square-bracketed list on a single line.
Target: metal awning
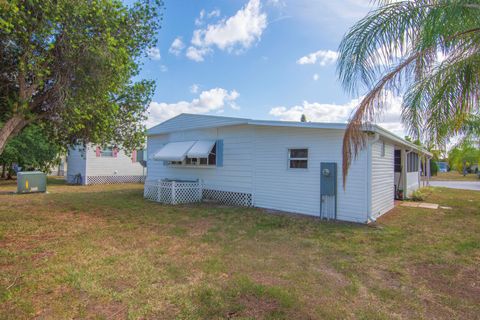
[(174, 151), (201, 149)]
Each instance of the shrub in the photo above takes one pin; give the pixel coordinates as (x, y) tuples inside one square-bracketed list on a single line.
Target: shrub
[(417, 195)]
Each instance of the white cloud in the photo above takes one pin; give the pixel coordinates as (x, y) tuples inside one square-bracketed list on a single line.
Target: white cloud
[(194, 88), (322, 112), (163, 68), (153, 53), (177, 46), (237, 33), (315, 77), (204, 15), (213, 100), (199, 20), (214, 13), (323, 57), (197, 54)]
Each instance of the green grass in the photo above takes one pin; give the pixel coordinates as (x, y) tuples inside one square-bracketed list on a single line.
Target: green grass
[(455, 176), (102, 252)]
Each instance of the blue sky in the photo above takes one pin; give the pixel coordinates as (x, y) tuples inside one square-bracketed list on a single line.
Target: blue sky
[(262, 59)]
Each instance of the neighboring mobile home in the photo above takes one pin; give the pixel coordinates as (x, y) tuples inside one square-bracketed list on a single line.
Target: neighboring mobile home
[(96, 165), (287, 166)]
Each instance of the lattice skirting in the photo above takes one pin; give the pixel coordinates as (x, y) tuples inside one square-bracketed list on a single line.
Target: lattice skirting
[(228, 197), (114, 179), (175, 192)]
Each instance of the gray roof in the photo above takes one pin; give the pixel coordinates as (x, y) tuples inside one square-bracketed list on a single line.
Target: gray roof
[(186, 121)]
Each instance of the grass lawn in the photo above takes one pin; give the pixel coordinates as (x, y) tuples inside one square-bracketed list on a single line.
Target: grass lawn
[(454, 176), (102, 252)]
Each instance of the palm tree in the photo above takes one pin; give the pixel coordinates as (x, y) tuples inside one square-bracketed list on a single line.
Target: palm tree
[(428, 51)]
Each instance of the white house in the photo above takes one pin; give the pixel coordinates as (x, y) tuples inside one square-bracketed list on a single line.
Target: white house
[(94, 165), (287, 166)]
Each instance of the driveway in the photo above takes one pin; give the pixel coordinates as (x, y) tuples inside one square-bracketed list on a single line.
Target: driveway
[(466, 185)]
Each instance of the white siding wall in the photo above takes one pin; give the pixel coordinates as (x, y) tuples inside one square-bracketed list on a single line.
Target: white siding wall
[(412, 182), (382, 178), (255, 161), (298, 190), (76, 164), (121, 165), (234, 175)]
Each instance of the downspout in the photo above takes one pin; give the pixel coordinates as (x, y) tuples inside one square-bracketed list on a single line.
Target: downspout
[(369, 176)]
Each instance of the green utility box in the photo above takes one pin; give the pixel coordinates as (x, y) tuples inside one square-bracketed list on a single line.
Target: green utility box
[(32, 181)]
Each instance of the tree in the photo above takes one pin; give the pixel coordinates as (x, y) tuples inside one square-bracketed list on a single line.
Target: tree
[(31, 149), (68, 66), (303, 118), (462, 156), (426, 50)]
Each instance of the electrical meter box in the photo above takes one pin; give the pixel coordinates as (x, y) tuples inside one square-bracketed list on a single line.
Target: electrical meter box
[(31, 181), (328, 179)]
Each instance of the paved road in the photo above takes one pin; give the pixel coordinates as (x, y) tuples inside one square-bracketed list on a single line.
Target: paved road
[(465, 185)]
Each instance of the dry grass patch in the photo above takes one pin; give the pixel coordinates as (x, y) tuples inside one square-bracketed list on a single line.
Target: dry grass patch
[(102, 252), (454, 176)]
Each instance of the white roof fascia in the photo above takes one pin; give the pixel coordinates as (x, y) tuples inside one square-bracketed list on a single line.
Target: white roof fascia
[(395, 138)]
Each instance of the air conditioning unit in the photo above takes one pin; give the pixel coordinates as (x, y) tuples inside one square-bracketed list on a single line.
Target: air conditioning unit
[(31, 181)]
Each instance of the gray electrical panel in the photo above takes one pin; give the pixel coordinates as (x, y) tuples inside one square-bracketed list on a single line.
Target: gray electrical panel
[(31, 181), (328, 190), (328, 180)]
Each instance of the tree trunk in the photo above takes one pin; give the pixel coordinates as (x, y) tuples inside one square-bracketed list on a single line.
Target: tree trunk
[(9, 172), (11, 128), (3, 170)]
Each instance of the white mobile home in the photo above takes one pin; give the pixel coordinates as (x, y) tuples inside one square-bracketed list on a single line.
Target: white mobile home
[(96, 165), (287, 166)]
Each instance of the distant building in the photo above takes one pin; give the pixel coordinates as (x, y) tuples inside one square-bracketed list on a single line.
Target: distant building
[(97, 165)]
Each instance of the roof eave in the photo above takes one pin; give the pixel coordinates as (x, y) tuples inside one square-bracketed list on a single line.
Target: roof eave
[(399, 140)]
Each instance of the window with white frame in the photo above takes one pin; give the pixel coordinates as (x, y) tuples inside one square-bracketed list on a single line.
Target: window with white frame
[(106, 152), (298, 158), (211, 160)]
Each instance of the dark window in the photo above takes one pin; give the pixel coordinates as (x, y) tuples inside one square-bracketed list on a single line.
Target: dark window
[(211, 160), (298, 164), (398, 161), (412, 162), (212, 157), (298, 158)]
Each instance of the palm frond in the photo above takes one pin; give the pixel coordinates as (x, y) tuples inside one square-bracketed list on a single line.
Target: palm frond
[(402, 43)]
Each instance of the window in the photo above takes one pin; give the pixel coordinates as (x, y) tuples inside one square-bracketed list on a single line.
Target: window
[(211, 160), (107, 152), (412, 162), (398, 160), (383, 149), (298, 158)]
